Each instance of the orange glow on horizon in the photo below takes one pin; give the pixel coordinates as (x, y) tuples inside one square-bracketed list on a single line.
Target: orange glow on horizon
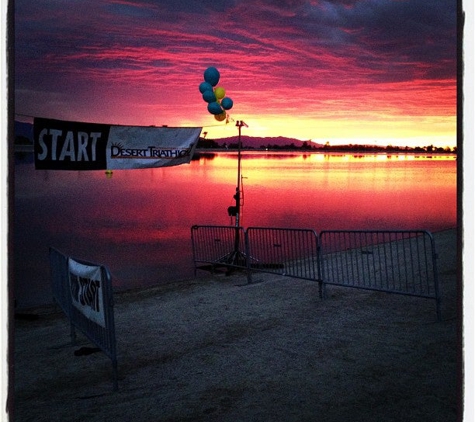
[(421, 132)]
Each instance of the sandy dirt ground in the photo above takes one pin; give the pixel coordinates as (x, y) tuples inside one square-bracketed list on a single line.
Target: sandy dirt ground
[(219, 349)]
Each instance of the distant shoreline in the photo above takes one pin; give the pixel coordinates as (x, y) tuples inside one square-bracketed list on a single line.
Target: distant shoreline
[(204, 151), (209, 151)]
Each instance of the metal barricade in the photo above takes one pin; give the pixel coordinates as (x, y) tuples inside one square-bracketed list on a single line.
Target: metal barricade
[(218, 247), (60, 280), (77, 295), (284, 251), (289, 252), (59, 273), (402, 262)]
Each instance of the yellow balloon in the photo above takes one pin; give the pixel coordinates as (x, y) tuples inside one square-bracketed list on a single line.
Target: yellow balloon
[(219, 92), (220, 117)]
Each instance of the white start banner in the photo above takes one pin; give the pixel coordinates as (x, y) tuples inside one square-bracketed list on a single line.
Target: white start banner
[(64, 145), (86, 286)]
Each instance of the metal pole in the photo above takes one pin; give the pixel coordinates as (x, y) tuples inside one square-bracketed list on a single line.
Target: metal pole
[(238, 185), (237, 196)]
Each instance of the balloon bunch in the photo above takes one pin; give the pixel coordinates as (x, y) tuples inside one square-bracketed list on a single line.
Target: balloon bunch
[(214, 95)]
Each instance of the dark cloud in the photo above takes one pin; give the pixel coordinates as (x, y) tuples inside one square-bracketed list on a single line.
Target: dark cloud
[(399, 31), (397, 34)]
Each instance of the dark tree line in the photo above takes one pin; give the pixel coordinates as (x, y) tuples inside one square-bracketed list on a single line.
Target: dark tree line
[(308, 146)]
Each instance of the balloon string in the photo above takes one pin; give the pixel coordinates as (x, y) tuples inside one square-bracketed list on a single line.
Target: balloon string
[(228, 119), (212, 126)]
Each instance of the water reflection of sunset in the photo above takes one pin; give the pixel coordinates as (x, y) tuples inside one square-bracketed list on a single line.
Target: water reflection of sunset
[(138, 221)]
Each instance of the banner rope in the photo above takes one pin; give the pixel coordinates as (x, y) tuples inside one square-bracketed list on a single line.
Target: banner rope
[(117, 124)]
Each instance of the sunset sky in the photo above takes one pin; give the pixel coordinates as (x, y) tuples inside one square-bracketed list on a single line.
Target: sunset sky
[(342, 71)]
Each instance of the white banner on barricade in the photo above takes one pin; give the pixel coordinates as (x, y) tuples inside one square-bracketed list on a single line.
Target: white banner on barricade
[(87, 286)]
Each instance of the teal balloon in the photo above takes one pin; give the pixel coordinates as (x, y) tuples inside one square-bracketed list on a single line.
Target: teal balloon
[(212, 75), (209, 96), (227, 103), (205, 86), (215, 108)]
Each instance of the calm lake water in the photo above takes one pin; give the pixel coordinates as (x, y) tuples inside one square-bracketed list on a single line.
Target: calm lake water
[(138, 222)]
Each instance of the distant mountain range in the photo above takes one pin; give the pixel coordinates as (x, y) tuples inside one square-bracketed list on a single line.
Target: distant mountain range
[(258, 142)]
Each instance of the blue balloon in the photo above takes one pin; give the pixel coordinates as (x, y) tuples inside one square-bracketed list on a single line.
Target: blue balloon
[(209, 96), (205, 86), (227, 103), (215, 108), (212, 75)]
